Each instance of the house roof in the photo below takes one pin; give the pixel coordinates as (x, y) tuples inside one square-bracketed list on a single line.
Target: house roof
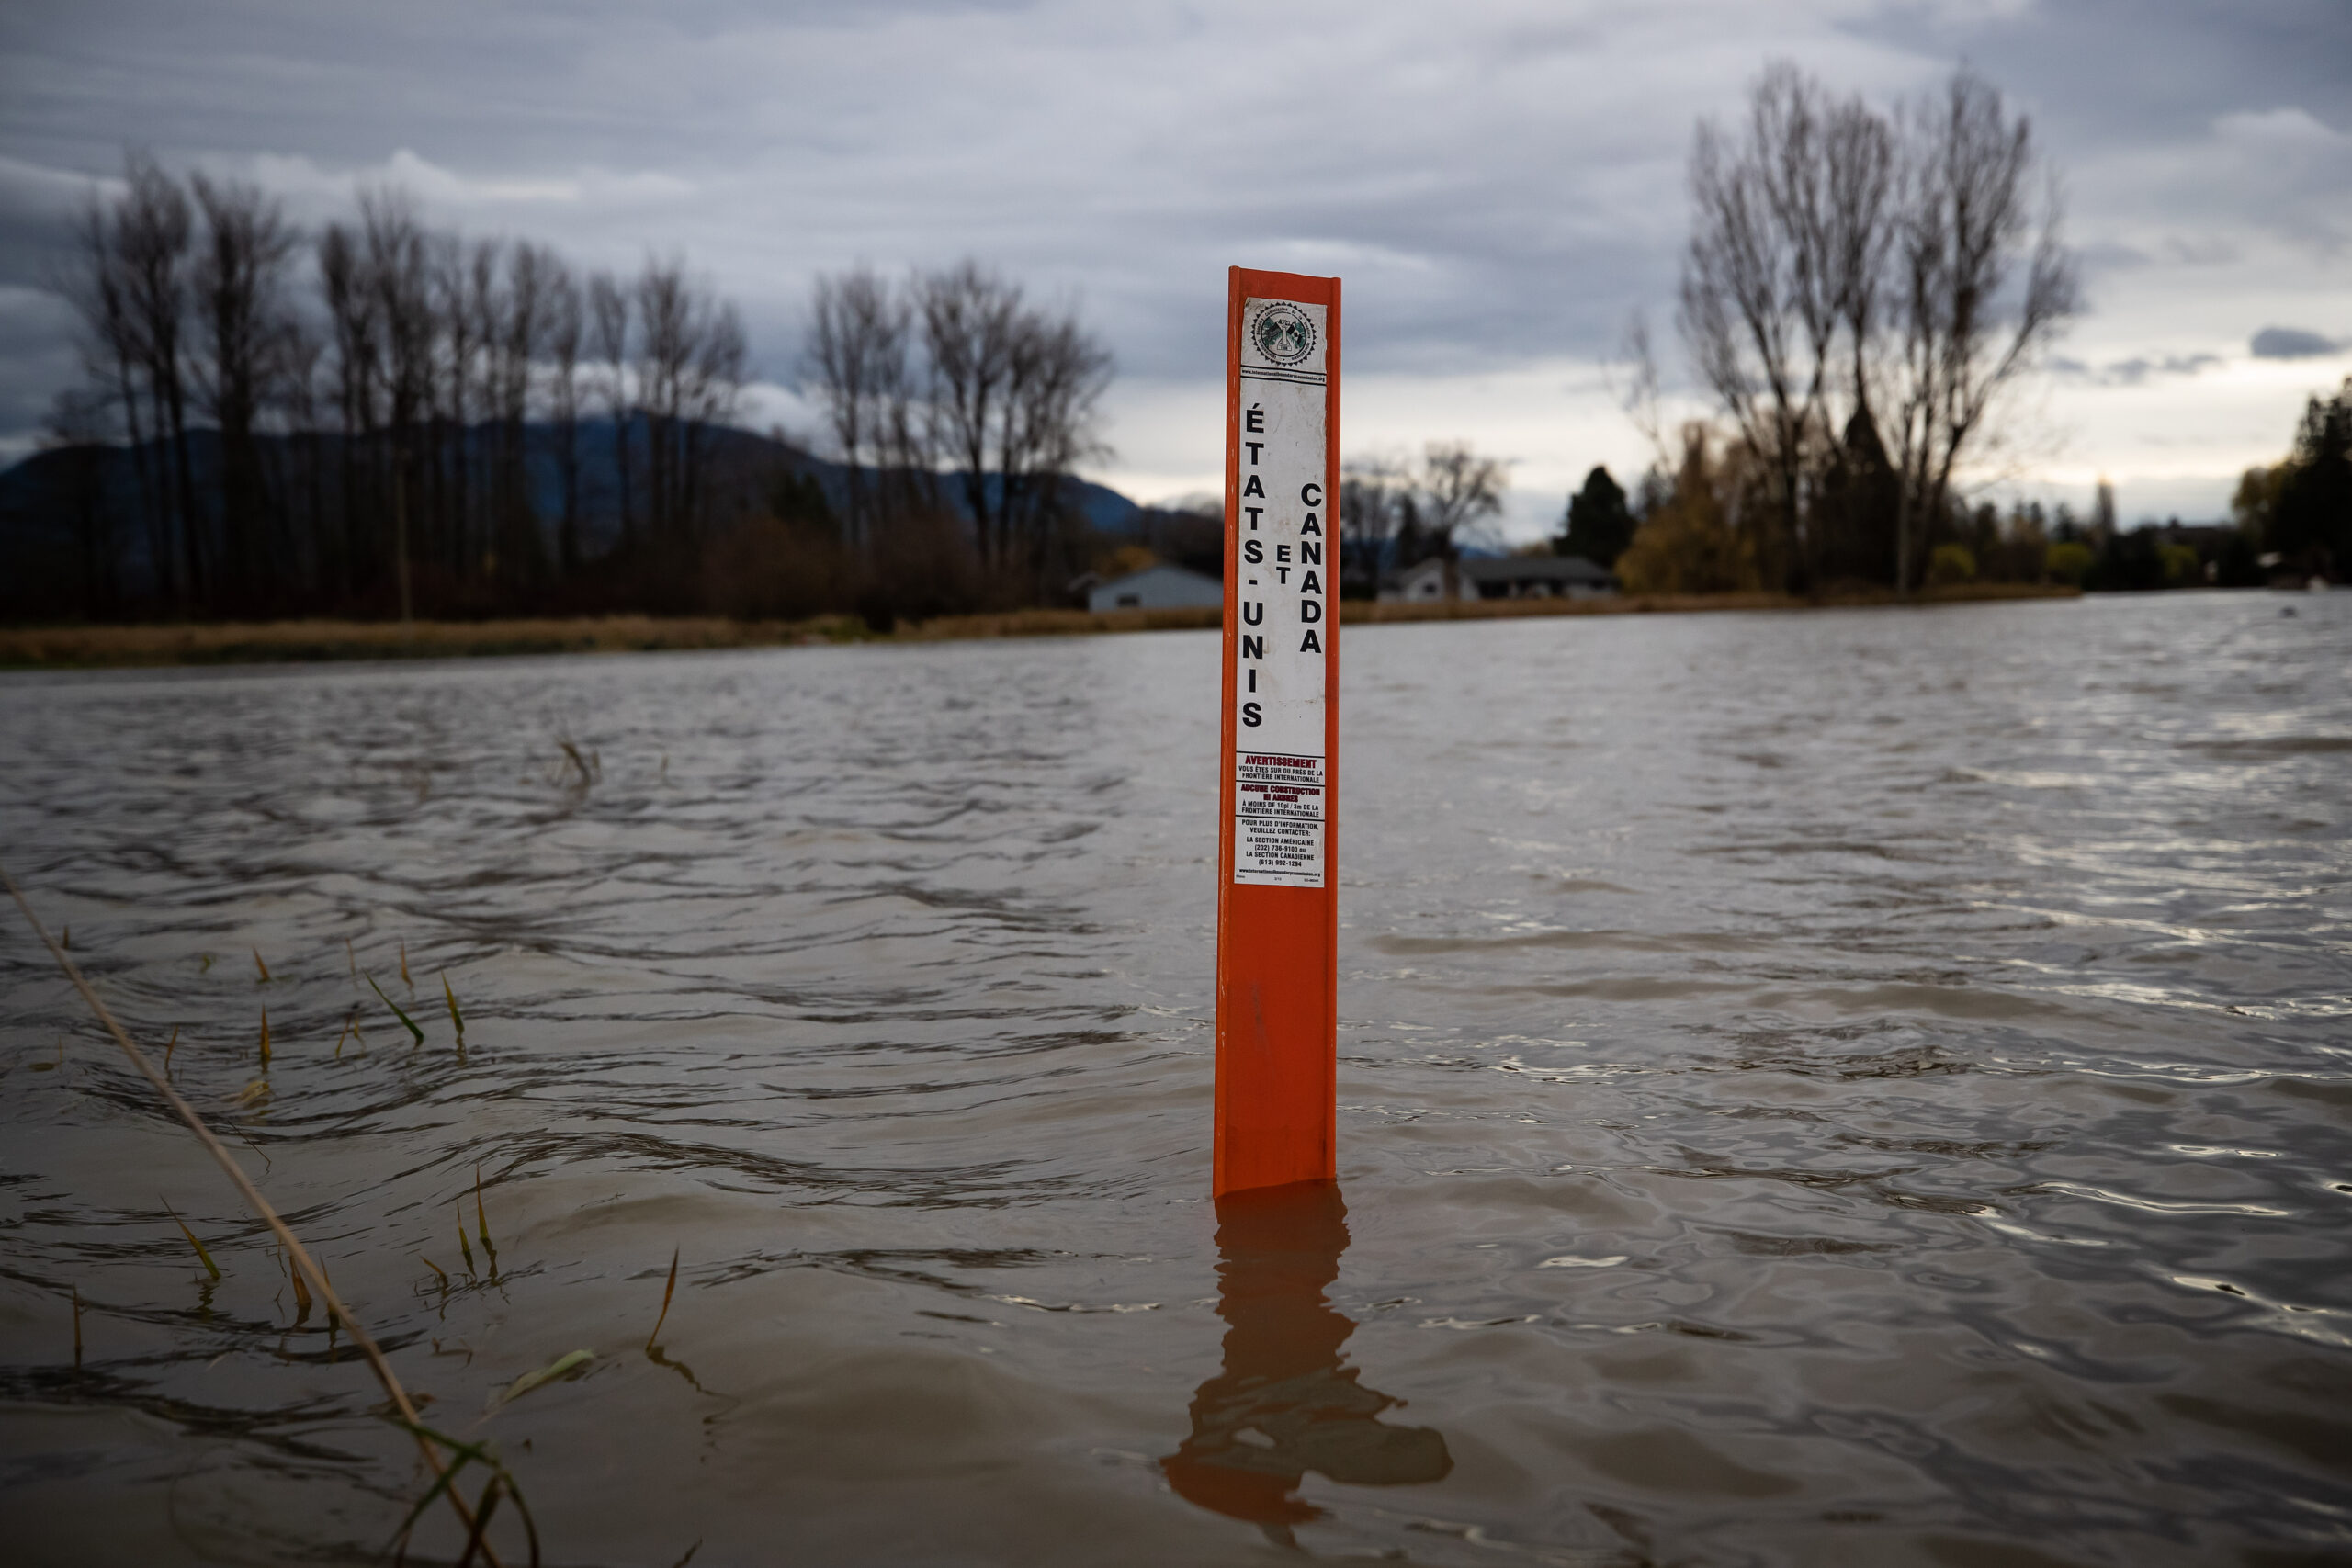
[(1162, 569), (1569, 570)]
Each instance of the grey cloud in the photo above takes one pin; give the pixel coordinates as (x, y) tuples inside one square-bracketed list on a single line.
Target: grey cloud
[(2135, 371), (1498, 182), (2294, 342), (2127, 73)]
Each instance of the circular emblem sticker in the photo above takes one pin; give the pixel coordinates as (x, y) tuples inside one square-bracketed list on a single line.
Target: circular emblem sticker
[(1284, 334)]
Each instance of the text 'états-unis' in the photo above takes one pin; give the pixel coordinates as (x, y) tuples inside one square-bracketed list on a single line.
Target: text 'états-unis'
[(1281, 587)]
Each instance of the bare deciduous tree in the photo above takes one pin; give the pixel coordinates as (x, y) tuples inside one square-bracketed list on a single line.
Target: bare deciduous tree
[(350, 299), (517, 331), (398, 270), (608, 311), (856, 358), (710, 398), (243, 316), (1002, 405), (98, 283), (1011, 399), (1374, 499), (1457, 490), (1982, 284), (153, 228), (1906, 269), (969, 320), (1787, 239), (567, 326)]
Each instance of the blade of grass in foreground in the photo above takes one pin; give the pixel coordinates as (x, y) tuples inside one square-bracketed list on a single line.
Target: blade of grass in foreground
[(546, 1374), (481, 1218), (203, 1257), (408, 1022), (460, 1455), (483, 1510), (667, 1290), (455, 1017)]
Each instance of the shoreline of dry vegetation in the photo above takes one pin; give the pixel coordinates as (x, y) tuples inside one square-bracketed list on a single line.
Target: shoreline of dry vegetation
[(313, 641)]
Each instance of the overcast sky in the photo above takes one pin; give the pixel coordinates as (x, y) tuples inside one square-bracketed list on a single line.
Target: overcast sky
[(1499, 184)]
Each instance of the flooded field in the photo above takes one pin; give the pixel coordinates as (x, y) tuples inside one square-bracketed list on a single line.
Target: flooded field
[(1855, 1087)]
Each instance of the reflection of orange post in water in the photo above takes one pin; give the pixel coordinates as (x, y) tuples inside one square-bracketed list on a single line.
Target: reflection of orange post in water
[(1285, 1403), (1277, 951)]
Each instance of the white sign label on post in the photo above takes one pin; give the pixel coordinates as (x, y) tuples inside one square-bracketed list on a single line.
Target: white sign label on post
[(1282, 582)]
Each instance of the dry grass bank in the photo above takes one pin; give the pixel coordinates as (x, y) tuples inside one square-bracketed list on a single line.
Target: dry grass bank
[(1356, 612), (250, 642), (1654, 603), (1059, 623), (100, 646)]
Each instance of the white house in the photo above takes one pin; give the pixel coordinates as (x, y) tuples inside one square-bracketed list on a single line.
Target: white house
[(1504, 577), (1161, 587)]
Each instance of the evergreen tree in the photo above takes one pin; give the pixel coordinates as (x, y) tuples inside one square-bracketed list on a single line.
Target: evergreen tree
[(1599, 525), (2311, 520)]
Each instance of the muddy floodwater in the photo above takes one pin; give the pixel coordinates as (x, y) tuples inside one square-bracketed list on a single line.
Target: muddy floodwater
[(1851, 1087)]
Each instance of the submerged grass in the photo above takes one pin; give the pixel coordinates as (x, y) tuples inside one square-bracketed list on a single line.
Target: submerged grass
[(546, 1374), (430, 1444), (501, 1482), (482, 1220), (407, 1023), (202, 1255), (581, 770), (667, 1291), (301, 1291)]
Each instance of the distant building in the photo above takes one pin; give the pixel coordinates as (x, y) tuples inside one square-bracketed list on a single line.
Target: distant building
[(1161, 587), (1504, 577)]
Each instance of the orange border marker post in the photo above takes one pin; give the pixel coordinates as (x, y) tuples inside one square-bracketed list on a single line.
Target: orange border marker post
[(1278, 888)]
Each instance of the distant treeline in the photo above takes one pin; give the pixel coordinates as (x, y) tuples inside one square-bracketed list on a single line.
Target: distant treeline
[(2291, 521), (400, 369), (385, 418)]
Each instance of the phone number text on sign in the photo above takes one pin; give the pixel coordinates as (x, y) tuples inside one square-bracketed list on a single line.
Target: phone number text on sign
[(1278, 810)]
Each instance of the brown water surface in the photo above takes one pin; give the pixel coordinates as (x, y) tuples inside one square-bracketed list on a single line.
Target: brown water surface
[(1860, 1088)]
